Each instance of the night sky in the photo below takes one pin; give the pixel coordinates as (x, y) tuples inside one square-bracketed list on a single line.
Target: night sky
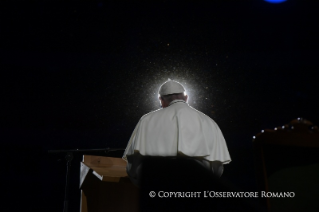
[(81, 74)]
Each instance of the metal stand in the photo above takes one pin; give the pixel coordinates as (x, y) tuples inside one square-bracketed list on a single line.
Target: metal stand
[(69, 157)]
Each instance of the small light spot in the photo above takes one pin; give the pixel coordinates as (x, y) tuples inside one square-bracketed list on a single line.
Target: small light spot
[(283, 127), (275, 128), (254, 137), (262, 131), (168, 44), (275, 1)]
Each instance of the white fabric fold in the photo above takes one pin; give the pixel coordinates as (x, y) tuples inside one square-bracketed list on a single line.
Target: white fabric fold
[(178, 130)]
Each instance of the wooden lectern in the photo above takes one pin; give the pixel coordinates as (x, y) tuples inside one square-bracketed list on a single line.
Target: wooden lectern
[(105, 186)]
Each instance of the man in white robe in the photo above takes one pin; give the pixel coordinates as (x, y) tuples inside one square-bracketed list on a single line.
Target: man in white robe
[(176, 130)]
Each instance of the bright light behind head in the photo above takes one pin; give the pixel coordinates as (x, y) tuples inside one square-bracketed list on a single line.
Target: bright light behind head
[(202, 85), (195, 88)]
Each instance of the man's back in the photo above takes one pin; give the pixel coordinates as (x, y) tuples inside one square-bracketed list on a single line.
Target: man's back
[(178, 130)]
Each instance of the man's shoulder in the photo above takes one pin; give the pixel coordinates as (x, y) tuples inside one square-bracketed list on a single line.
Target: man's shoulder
[(199, 113), (203, 117), (152, 113), (184, 109), (167, 110)]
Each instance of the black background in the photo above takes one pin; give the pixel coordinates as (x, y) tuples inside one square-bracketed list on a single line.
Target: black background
[(81, 74)]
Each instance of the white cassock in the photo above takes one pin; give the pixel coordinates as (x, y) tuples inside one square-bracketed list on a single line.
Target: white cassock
[(177, 130)]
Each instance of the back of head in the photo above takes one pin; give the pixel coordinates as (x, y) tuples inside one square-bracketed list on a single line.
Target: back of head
[(174, 96), (172, 90)]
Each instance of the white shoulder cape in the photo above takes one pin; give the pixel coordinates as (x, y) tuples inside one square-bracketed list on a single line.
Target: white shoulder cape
[(178, 130)]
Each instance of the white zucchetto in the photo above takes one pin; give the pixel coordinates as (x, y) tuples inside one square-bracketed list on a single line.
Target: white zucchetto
[(170, 87)]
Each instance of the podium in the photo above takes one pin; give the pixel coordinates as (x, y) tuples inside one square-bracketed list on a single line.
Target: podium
[(105, 186)]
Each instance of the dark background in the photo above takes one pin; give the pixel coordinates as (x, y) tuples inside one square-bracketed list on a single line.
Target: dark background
[(81, 74)]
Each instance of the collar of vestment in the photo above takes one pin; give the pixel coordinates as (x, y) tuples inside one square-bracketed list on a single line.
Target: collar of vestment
[(175, 101)]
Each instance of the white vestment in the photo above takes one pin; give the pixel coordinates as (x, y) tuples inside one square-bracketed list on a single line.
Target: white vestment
[(178, 130)]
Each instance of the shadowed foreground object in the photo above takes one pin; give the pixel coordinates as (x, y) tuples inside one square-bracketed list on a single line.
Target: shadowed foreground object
[(105, 186), (287, 160), (162, 174)]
